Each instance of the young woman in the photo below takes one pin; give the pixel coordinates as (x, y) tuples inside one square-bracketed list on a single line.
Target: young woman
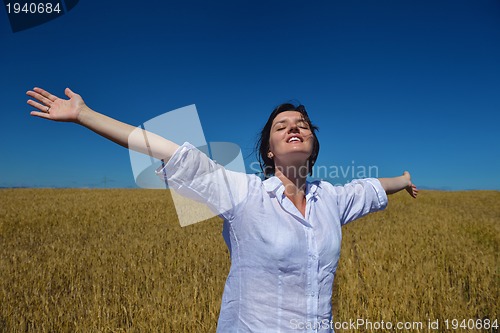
[(283, 233)]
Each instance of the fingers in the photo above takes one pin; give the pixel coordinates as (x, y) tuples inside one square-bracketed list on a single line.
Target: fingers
[(40, 114), (69, 93), (45, 100), (41, 107), (414, 191), (45, 94)]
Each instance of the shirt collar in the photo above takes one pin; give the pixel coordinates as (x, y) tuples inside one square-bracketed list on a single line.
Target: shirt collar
[(272, 184)]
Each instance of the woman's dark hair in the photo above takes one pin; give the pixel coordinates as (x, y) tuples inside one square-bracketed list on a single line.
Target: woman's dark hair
[(262, 146)]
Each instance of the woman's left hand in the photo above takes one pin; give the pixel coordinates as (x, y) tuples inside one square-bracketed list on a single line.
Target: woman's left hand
[(411, 188)]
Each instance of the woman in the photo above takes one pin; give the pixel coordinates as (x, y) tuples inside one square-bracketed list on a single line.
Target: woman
[(283, 233)]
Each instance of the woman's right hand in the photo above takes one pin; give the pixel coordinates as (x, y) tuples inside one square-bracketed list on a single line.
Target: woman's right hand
[(55, 108)]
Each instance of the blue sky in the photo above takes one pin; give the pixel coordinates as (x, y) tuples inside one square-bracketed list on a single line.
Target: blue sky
[(401, 85)]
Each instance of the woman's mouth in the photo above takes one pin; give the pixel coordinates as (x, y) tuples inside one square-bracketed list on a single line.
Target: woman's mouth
[(294, 139)]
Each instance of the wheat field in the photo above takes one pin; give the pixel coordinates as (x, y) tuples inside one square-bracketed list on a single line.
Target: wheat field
[(79, 260)]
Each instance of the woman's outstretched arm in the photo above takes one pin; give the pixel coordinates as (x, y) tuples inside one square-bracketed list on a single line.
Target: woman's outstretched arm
[(396, 184), (75, 110)]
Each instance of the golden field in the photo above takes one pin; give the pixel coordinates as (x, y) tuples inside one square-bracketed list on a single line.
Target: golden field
[(75, 260)]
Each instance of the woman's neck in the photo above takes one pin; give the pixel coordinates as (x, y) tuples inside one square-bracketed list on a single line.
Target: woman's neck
[(295, 189), (294, 182)]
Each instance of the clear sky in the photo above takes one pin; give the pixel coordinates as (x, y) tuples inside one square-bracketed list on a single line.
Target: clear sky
[(396, 84)]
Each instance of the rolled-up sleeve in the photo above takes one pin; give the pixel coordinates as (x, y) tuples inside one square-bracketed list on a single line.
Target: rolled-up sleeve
[(194, 175), (360, 197)]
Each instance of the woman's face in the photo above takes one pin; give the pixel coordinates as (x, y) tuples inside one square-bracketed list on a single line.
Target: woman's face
[(291, 140)]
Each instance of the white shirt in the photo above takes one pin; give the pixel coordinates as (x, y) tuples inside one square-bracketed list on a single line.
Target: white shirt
[(282, 263)]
